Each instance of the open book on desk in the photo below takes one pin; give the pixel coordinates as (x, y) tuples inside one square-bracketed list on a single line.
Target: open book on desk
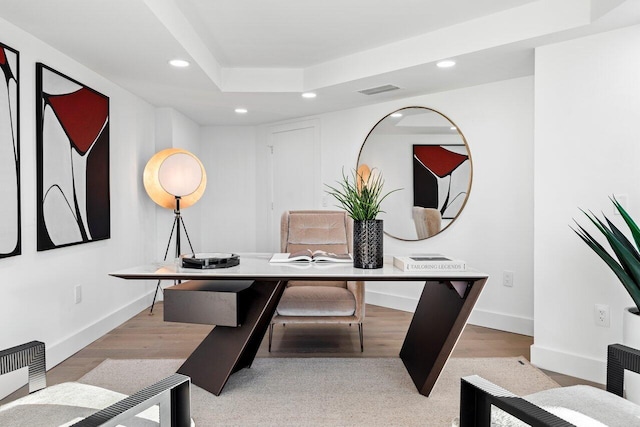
[(311, 256)]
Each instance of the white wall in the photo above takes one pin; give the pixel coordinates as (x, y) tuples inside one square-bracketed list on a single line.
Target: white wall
[(38, 287), (228, 221), (494, 233), (587, 94)]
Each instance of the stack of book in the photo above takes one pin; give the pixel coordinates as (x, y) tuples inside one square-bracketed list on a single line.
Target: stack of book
[(428, 262)]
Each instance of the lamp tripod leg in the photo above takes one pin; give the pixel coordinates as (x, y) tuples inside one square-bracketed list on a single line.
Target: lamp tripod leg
[(176, 220), (155, 295), (184, 227), (173, 228)]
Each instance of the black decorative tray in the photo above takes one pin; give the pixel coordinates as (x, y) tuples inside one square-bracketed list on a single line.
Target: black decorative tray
[(209, 260)]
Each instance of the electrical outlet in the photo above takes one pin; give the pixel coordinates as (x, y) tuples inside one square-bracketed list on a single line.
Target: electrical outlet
[(78, 294), (507, 278), (601, 315)]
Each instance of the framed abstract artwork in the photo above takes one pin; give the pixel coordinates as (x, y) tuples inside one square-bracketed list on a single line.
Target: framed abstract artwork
[(72, 151), (10, 230), (439, 179)]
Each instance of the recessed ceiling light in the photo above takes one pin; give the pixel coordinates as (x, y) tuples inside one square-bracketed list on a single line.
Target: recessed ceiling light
[(396, 115), (180, 63), (309, 95), (446, 63), (241, 110)]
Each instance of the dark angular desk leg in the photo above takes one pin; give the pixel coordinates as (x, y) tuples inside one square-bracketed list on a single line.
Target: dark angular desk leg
[(226, 349), (435, 328)]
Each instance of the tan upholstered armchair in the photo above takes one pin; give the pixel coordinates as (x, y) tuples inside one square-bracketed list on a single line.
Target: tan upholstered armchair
[(428, 221), (319, 302)]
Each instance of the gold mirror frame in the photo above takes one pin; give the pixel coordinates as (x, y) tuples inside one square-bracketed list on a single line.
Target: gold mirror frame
[(422, 151)]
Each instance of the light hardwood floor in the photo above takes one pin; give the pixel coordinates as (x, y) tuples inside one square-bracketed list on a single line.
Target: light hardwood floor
[(148, 337)]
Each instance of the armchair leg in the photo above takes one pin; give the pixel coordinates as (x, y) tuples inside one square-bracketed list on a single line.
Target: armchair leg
[(360, 332), (270, 335)]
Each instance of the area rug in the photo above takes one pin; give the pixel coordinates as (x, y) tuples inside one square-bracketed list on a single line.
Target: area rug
[(326, 391)]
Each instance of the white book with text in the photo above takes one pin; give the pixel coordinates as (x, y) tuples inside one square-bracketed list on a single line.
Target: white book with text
[(428, 262)]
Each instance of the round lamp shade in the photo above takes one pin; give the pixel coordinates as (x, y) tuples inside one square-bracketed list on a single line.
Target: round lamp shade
[(180, 174), (172, 173)]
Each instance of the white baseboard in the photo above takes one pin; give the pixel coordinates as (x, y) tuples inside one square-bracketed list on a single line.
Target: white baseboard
[(396, 302), (488, 319), (70, 345), (501, 321), (569, 364), (63, 349)]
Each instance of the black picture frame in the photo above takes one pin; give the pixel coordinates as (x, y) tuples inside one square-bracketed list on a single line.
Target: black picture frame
[(10, 191), (72, 155)]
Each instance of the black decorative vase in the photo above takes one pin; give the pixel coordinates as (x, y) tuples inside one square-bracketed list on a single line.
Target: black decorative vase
[(367, 243)]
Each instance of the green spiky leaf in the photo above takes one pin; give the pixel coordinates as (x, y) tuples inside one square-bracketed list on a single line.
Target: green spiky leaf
[(635, 231), (359, 197), (626, 263)]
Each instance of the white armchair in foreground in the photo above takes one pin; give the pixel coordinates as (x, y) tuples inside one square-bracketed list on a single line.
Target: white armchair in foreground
[(578, 405), (167, 402)]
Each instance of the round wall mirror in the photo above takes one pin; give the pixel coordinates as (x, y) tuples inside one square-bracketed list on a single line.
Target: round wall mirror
[(424, 153)]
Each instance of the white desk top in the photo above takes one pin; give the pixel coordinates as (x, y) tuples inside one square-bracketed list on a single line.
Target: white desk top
[(256, 266)]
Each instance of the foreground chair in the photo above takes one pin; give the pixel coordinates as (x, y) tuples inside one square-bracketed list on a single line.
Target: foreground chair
[(319, 302), (564, 406), (76, 404)]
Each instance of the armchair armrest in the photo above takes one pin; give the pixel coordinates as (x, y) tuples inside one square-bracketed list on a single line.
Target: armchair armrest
[(172, 395), (32, 355), (477, 395), (619, 358)]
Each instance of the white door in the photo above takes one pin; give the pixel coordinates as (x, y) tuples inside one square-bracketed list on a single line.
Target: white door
[(294, 177)]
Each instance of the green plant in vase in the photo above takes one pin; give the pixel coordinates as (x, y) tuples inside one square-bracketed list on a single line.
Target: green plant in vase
[(626, 263), (361, 195)]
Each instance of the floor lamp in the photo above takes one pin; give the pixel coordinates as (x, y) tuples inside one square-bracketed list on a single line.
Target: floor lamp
[(174, 179)]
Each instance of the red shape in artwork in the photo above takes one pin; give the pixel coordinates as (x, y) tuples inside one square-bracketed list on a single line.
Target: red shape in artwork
[(3, 57), (82, 114), (439, 160)]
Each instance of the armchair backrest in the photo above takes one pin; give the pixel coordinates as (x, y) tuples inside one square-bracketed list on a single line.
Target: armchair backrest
[(428, 221), (330, 231)]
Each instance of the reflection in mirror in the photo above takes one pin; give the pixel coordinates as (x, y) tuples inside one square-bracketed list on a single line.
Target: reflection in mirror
[(423, 152)]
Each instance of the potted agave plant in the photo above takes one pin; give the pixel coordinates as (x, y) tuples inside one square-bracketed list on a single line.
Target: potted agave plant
[(625, 263), (361, 195)]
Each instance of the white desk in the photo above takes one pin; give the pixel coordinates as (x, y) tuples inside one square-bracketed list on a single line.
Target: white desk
[(444, 306)]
